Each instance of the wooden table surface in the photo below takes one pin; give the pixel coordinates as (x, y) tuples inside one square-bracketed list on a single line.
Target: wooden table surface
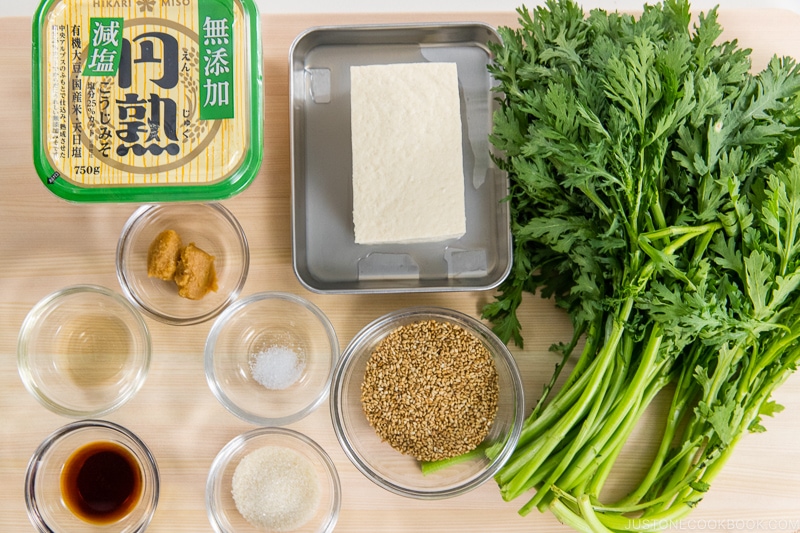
[(47, 244)]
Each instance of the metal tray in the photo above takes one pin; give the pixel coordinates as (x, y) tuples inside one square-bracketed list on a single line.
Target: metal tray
[(325, 255)]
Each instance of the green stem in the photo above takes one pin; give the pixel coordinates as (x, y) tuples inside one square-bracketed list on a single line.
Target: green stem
[(587, 354), (430, 467), (587, 511), (776, 349), (727, 359), (677, 411), (654, 522), (595, 484), (574, 446), (537, 423), (547, 466), (626, 410), (566, 354), (567, 516), (674, 231), (554, 436)]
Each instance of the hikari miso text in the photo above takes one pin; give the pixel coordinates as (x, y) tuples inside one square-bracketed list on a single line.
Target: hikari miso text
[(101, 482)]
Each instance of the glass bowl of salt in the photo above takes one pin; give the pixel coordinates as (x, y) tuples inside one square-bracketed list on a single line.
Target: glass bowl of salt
[(269, 358)]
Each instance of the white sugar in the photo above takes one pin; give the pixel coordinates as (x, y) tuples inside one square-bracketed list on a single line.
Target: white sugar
[(276, 488), (277, 367)]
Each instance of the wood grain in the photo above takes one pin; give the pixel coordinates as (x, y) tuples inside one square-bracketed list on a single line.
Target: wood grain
[(47, 244)]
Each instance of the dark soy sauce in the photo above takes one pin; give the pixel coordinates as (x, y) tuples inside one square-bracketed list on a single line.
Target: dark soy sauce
[(101, 482)]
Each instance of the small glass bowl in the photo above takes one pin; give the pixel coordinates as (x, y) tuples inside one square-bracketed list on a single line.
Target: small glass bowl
[(211, 227), (43, 497), (83, 351), (249, 354), (220, 505), (402, 474)]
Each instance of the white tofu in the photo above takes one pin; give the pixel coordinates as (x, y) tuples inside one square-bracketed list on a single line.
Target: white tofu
[(408, 175)]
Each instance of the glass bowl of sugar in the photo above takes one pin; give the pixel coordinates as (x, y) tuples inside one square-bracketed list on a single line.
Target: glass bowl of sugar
[(272, 479), (269, 358)]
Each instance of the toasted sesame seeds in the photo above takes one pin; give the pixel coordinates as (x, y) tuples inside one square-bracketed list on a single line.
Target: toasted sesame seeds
[(430, 390)]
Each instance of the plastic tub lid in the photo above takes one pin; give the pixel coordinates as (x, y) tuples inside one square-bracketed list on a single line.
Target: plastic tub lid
[(147, 100)]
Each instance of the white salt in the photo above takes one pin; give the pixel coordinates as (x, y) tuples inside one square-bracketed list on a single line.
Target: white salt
[(277, 367)]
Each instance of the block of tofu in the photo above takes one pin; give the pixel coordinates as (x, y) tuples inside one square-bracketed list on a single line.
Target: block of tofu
[(408, 175)]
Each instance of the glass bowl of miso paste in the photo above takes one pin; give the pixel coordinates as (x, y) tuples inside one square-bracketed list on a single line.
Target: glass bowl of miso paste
[(147, 101)]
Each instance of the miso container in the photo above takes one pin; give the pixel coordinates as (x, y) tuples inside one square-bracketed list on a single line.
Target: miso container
[(147, 100)]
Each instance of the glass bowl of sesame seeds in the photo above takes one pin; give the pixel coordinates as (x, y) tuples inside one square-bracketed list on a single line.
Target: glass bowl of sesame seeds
[(427, 402), (269, 358)]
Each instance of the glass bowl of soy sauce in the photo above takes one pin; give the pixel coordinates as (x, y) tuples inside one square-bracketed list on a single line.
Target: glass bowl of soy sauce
[(92, 476)]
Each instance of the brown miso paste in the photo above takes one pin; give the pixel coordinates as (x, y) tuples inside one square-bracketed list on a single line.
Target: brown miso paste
[(101, 482)]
